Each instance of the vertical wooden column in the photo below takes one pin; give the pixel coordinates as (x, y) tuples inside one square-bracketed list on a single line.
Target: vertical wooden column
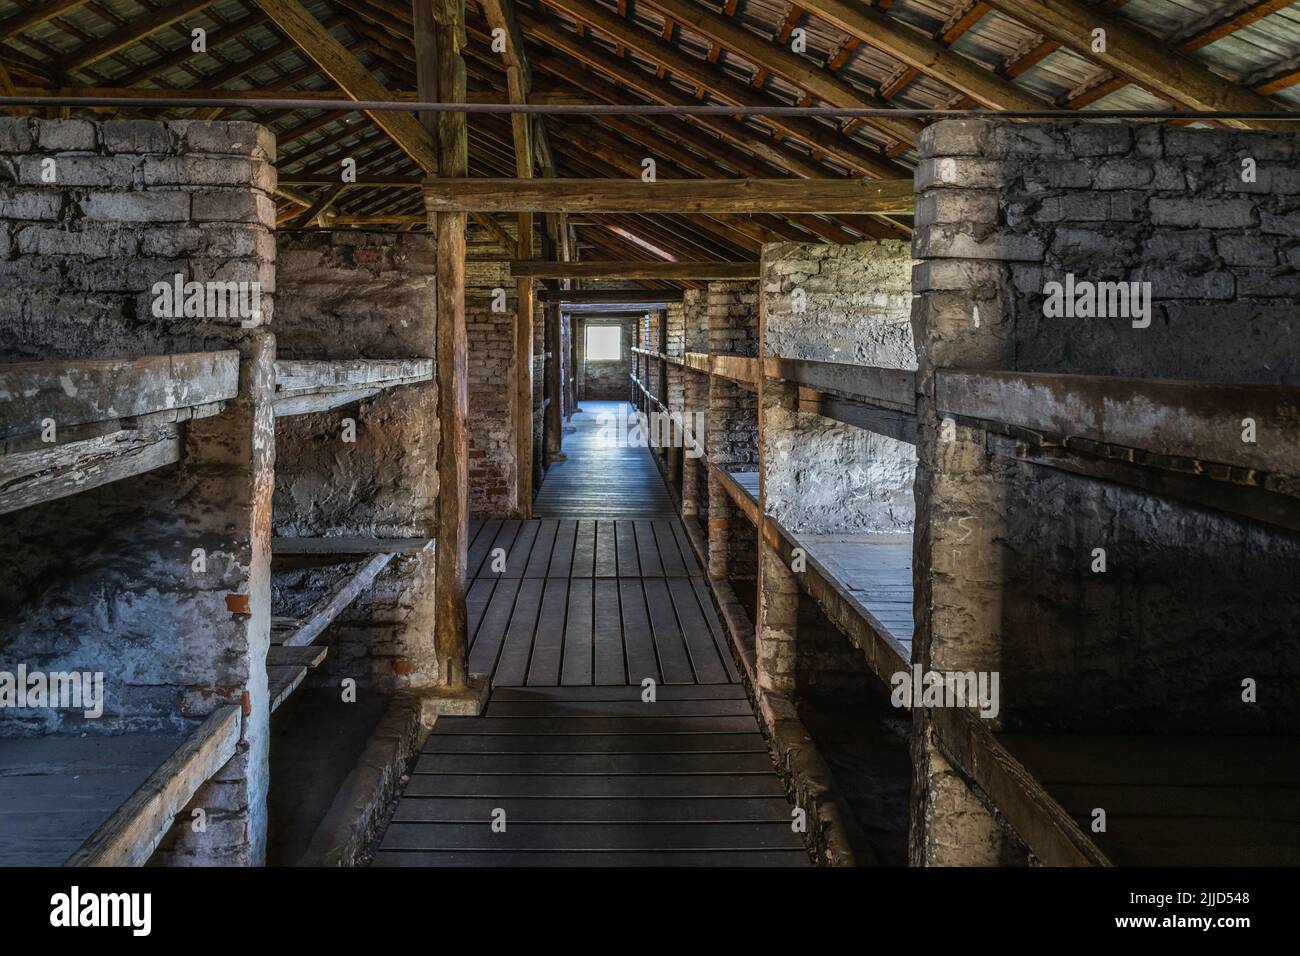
[(452, 372), (523, 389), (552, 383)]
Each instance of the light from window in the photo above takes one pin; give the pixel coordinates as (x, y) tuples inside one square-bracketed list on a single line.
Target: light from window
[(604, 343)]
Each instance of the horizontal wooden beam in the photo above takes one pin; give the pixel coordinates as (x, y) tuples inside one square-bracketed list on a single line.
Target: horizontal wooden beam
[(892, 388), (133, 31), (207, 91), (634, 270), (1198, 421), (1042, 823), (79, 392), (56, 471), (607, 296), (353, 78), (713, 196), (1133, 53), (131, 834)]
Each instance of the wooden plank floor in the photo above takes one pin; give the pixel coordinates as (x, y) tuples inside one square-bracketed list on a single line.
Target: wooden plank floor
[(569, 613), (594, 776), (604, 475), (584, 602)]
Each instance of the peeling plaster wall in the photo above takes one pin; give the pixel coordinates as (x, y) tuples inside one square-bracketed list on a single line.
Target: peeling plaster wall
[(830, 303), (104, 580), (846, 304), (348, 295)]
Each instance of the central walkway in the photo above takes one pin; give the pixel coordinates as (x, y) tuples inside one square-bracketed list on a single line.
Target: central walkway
[(570, 764)]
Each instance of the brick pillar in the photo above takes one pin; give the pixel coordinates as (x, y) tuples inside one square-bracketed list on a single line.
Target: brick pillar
[(960, 501), (695, 399)]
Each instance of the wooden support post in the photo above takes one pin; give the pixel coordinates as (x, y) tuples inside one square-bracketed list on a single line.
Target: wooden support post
[(523, 398), (451, 637), (552, 383)]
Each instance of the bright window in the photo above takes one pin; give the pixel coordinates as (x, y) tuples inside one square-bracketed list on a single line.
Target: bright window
[(604, 343)]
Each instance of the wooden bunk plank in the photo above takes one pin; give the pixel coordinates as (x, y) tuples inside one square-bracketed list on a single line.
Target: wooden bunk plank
[(891, 388), (1042, 823), (133, 832), (303, 387), (281, 681), (339, 597), (350, 545), (84, 392), (53, 472), (287, 667), (1194, 421)]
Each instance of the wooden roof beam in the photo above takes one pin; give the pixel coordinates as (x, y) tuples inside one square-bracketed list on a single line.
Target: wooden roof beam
[(818, 136), (35, 16), (1140, 57), (132, 32), (647, 269), (779, 59), (353, 78), (901, 41), (882, 197)]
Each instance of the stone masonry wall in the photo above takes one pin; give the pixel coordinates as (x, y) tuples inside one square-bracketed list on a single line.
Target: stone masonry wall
[(695, 320), (103, 580), (675, 321), (733, 318), (1149, 204), (829, 303), (845, 304), (350, 295), (490, 352)]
